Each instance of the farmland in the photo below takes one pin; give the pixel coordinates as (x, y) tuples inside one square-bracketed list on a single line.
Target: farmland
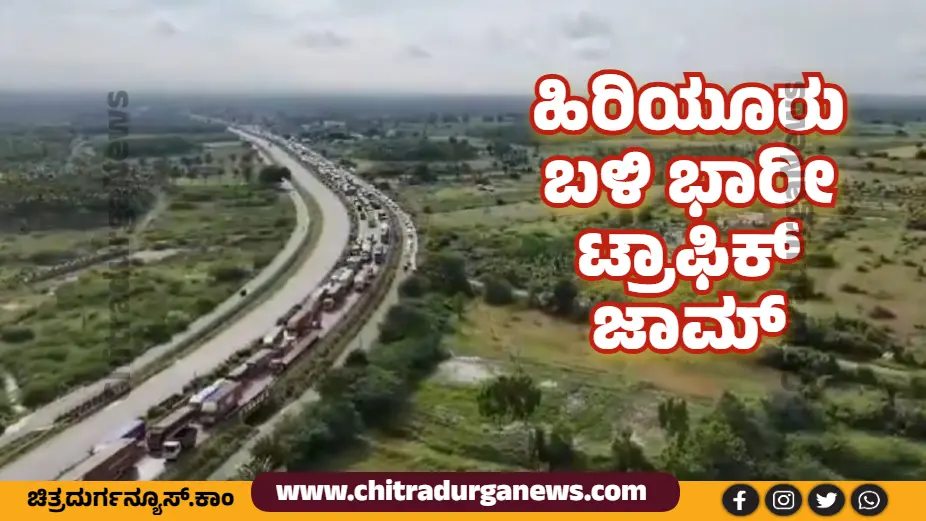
[(200, 226), (840, 396)]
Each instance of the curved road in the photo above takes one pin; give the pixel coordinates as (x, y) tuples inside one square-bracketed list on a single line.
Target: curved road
[(48, 460), (364, 340), (44, 417)]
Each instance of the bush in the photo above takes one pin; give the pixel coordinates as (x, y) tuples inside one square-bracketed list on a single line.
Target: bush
[(498, 292), (17, 335), (274, 175), (850, 288), (229, 273), (820, 260), (881, 313), (414, 286)]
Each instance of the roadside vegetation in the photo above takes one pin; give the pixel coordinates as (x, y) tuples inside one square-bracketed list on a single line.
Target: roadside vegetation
[(842, 396), (196, 223)]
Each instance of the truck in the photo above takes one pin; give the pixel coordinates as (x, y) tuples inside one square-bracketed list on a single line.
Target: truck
[(168, 426), (219, 404), (280, 364), (273, 336), (256, 395), (197, 399), (335, 297), (361, 280), (379, 254), (260, 360), (282, 321), (111, 463), (384, 233), (180, 441), (240, 372), (366, 250), (133, 431), (310, 316)]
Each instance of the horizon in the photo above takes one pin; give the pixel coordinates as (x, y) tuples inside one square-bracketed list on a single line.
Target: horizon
[(409, 46), (290, 94)]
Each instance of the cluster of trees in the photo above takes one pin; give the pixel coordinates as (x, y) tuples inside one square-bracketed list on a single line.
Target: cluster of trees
[(785, 436), (151, 146), (370, 389), (417, 150), (274, 175), (107, 193), (16, 149), (516, 133)]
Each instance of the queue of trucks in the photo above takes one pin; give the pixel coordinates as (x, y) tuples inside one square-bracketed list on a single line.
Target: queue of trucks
[(246, 385)]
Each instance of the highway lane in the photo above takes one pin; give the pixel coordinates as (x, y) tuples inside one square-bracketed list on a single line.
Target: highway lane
[(48, 460), (44, 417), (363, 341)]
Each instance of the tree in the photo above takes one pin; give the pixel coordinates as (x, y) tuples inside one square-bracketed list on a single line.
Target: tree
[(273, 174), (712, 452), (625, 218), (447, 273), (376, 395), (509, 397), (414, 286), (516, 398), (405, 320), (564, 296), (498, 292), (558, 449), (271, 450), (627, 455), (322, 426), (673, 417)]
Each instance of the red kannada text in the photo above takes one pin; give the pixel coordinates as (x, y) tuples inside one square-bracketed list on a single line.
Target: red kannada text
[(698, 327), (640, 258), (779, 178), (616, 105)]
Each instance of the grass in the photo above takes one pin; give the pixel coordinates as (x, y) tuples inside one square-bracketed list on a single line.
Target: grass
[(878, 264), (535, 338), (260, 294), (881, 263), (219, 235)]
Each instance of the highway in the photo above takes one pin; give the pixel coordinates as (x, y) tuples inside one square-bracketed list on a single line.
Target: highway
[(44, 417), (49, 459), (364, 340)]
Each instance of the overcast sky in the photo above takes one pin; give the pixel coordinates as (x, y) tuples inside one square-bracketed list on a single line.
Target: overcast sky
[(466, 46)]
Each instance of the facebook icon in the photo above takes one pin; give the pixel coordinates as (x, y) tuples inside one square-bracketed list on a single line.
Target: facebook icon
[(740, 500)]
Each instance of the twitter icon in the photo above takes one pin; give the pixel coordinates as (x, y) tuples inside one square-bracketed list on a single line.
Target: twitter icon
[(826, 500)]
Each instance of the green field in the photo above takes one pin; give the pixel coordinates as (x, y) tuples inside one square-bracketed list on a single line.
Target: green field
[(861, 369), (200, 242)]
